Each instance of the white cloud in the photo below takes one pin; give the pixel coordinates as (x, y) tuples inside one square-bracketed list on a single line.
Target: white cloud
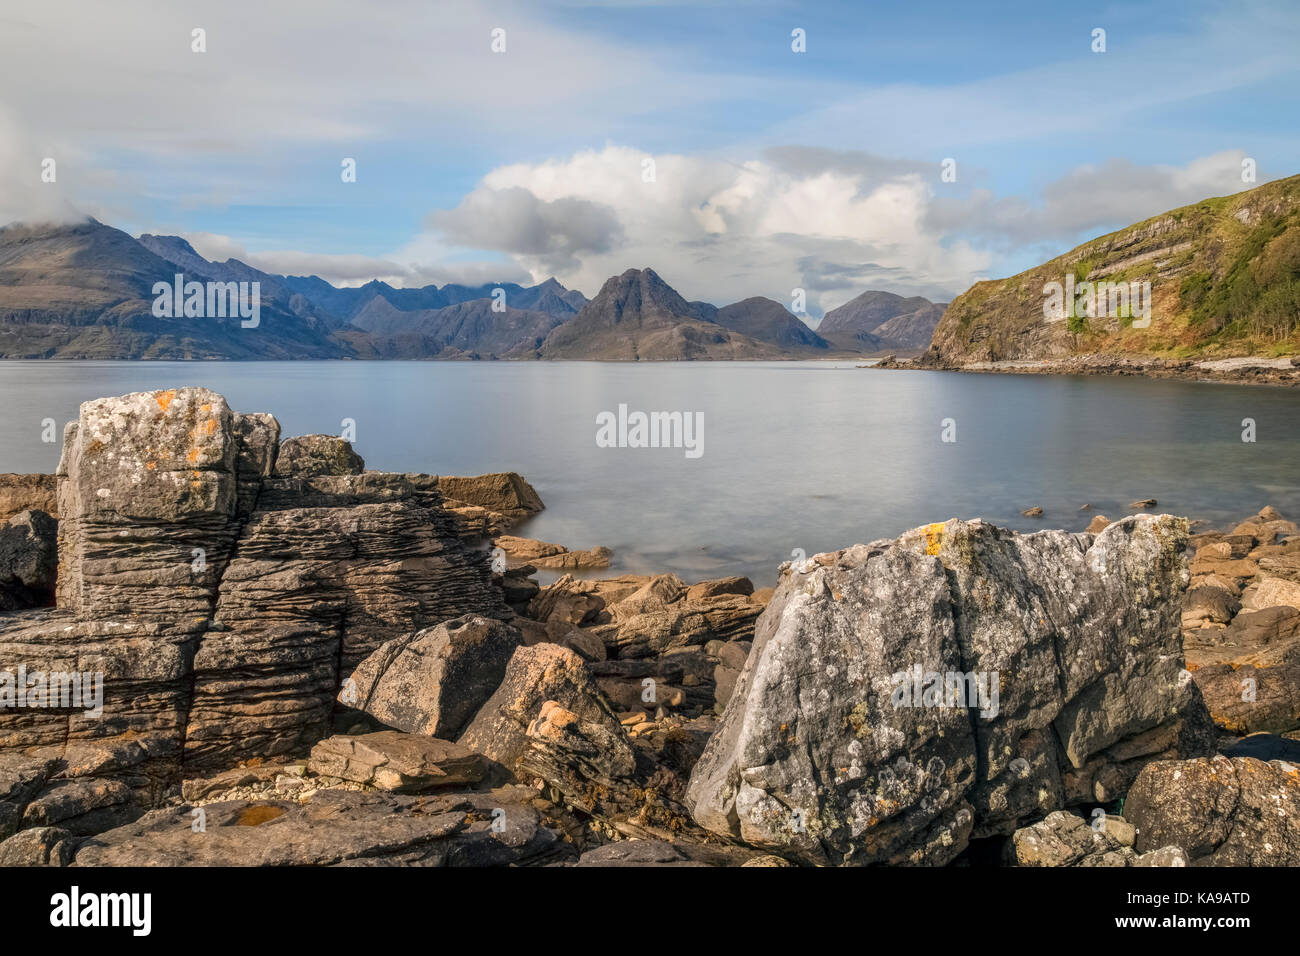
[(723, 230), (354, 270), (1090, 198)]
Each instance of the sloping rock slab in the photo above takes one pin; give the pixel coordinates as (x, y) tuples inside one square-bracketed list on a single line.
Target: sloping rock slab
[(336, 827), (391, 760), (433, 681)]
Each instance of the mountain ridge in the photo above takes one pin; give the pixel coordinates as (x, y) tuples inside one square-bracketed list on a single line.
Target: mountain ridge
[(85, 291)]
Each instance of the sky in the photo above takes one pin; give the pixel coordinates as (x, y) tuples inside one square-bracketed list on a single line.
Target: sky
[(599, 137)]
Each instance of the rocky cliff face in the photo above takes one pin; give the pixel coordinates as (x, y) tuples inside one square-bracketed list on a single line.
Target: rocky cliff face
[(904, 696), (1224, 278), (223, 595)]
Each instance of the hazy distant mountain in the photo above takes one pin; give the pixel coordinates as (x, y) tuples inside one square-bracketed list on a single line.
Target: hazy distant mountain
[(465, 330), (878, 321), (273, 288), (86, 291), (548, 296), (638, 317), (768, 321)]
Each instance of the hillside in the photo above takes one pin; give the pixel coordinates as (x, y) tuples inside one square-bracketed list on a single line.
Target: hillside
[(1224, 279)]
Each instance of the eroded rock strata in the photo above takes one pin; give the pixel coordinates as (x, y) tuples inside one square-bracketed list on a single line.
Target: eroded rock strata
[(222, 595)]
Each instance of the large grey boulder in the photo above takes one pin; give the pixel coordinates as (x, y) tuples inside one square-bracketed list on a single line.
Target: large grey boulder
[(433, 681), (1220, 811), (904, 695)]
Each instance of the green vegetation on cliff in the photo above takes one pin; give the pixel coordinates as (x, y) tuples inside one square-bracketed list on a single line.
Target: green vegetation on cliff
[(1224, 276)]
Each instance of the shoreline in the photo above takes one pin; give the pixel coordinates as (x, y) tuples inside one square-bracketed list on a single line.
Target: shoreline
[(1251, 370)]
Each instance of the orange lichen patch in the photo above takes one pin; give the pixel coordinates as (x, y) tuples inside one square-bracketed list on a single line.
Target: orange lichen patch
[(205, 407), (257, 815), (193, 456), (164, 398), (933, 537), (151, 465)]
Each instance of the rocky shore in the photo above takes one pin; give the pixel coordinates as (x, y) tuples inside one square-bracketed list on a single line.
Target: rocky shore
[(302, 662), (1235, 371)]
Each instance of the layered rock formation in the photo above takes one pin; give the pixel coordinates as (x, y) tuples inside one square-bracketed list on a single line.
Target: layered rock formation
[(904, 695), (222, 592)]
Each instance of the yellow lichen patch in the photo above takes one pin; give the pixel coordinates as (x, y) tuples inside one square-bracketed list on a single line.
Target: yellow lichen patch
[(164, 398), (257, 815), (933, 537)]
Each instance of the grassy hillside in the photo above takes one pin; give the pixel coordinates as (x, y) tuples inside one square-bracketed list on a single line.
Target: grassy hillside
[(1224, 276)]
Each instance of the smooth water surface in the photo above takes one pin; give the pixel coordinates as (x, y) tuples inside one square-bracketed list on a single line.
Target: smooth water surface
[(811, 456)]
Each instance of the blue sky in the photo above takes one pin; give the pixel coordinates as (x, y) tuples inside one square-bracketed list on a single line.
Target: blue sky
[(774, 169)]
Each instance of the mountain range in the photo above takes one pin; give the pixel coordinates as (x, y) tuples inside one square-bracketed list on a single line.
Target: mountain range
[(85, 291)]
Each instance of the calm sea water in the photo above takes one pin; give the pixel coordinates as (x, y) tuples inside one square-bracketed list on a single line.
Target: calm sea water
[(812, 456)]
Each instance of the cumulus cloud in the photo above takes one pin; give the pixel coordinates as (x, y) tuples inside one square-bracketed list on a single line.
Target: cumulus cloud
[(515, 220), (354, 270), (831, 223)]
